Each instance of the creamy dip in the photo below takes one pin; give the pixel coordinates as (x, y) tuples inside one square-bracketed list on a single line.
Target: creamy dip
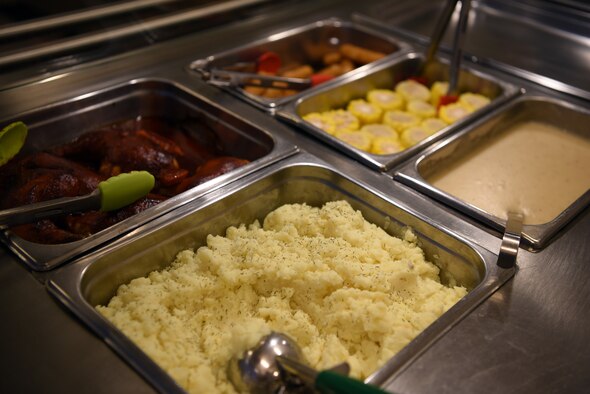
[(535, 168)]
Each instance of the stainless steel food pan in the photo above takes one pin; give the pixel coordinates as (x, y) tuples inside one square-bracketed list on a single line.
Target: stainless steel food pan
[(302, 45), (562, 114), (57, 124), (386, 75), (94, 279)]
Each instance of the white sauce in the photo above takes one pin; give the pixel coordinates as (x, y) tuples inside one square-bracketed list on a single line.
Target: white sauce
[(535, 168)]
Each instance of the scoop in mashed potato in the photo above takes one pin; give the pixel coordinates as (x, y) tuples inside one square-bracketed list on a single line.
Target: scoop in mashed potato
[(343, 288)]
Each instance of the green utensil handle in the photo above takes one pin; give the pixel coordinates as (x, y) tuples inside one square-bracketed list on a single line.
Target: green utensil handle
[(124, 189), (12, 139), (334, 383), (114, 193)]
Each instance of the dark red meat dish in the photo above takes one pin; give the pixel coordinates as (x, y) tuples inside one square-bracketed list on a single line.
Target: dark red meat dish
[(177, 161)]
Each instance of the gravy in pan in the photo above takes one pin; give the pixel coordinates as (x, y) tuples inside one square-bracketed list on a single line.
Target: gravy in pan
[(535, 168)]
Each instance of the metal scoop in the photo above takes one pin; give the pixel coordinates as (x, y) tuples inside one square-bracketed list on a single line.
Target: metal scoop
[(276, 365), (256, 371)]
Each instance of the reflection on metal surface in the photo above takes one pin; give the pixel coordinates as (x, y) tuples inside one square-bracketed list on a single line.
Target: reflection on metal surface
[(118, 33), (53, 78), (60, 21)]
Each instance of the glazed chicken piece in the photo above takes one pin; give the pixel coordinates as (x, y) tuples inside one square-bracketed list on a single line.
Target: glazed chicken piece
[(211, 169), (76, 169), (113, 152), (87, 223), (43, 176)]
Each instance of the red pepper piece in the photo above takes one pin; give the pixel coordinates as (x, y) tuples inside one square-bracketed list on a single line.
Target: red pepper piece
[(445, 100), (268, 62), (316, 79), (421, 80)]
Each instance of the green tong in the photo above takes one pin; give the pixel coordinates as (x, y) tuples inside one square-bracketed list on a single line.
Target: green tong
[(114, 193), (12, 139)]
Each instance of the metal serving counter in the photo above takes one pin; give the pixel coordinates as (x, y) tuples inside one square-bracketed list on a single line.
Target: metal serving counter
[(529, 336)]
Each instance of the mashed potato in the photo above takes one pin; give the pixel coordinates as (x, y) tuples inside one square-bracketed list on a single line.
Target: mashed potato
[(343, 288)]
